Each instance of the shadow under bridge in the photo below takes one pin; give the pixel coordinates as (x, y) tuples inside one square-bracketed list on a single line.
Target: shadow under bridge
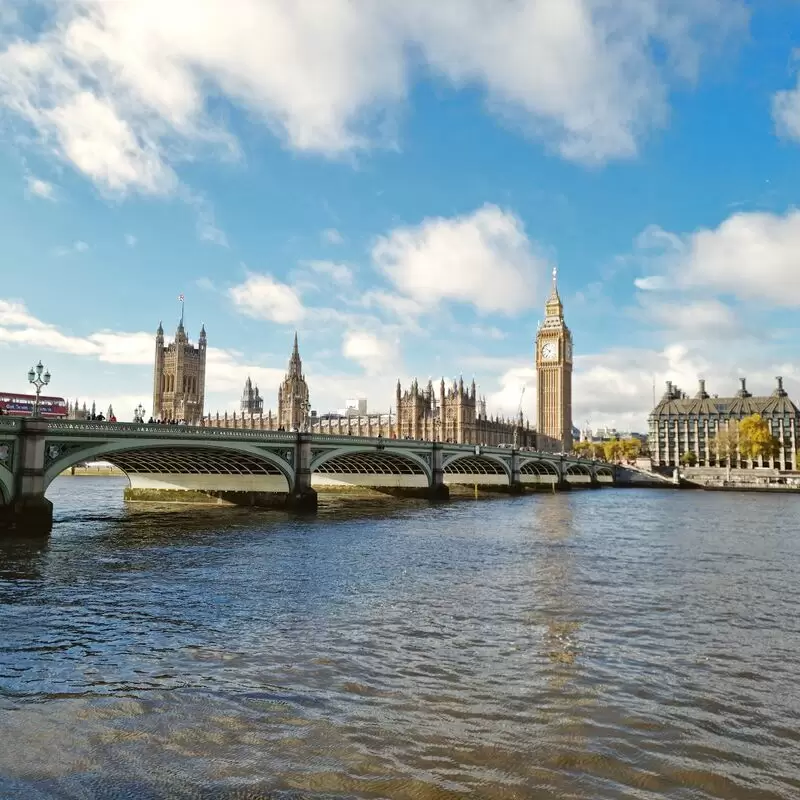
[(187, 467), (538, 471), (370, 469), (484, 470)]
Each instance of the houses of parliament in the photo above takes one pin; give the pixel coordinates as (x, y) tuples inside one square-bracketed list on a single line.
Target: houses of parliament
[(447, 413)]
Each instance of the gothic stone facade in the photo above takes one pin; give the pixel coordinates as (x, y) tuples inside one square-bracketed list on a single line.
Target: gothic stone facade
[(293, 398), (252, 402), (554, 378), (293, 403), (680, 424), (454, 415), (179, 377)]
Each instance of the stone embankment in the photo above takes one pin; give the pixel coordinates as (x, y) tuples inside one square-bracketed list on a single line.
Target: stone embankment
[(759, 479)]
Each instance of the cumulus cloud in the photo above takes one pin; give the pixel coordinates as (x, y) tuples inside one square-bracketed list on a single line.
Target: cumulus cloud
[(332, 236), (752, 255), (121, 90), (36, 187), (262, 297), (338, 273), (483, 258), (18, 326), (786, 109), (690, 318), (374, 354)]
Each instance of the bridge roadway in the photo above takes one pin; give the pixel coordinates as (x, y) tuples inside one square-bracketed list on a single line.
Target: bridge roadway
[(265, 468)]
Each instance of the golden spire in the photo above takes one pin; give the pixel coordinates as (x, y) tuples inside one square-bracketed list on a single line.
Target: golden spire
[(553, 306)]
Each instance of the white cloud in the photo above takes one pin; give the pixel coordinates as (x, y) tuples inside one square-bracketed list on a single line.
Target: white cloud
[(399, 306), (651, 283), (374, 354), (262, 297), (483, 258), (76, 247), (752, 255), (18, 326), (121, 90), (507, 399), (338, 273), (36, 187), (206, 225), (690, 318), (491, 333), (786, 110), (332, 236), (130, 240)]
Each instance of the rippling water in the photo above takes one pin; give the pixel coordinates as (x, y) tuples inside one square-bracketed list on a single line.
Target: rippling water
[(612, 644)]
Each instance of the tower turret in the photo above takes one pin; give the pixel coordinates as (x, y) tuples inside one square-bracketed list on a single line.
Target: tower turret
[(293, 396)]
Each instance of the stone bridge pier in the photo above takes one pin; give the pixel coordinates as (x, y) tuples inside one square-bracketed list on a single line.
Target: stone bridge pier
[(25, 509)]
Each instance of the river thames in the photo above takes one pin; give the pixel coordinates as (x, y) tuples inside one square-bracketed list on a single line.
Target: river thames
[(606, 644)]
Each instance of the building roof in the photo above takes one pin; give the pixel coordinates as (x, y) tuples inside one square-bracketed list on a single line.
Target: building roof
[(743, 404)]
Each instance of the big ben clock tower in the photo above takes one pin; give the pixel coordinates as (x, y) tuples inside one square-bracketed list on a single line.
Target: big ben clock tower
[(554, 378)]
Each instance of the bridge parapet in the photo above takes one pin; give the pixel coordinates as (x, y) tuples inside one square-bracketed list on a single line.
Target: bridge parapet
[(156, 430)]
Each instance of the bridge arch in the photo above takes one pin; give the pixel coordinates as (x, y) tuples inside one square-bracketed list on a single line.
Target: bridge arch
[(371, 461), (471, 464), (578, 468), (604, 471), (177, 457), (538, 467)]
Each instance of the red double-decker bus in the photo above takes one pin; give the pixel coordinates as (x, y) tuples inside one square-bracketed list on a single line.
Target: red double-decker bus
[(21, 405)]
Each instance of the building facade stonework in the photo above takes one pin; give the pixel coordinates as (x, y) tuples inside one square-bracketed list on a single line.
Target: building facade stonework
[(293, 396), (179, 377), (252, 402), (451, 413), (680, 424), (454, 414), (554, 378)]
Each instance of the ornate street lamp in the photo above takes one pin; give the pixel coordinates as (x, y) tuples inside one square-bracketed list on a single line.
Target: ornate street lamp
[(38, 380), (138, 413), (305, 407)]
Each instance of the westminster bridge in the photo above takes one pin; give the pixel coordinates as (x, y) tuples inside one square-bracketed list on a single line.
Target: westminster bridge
[(263, 468)]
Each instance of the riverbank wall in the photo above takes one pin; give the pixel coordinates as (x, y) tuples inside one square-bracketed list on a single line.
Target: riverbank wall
[(715, 479)]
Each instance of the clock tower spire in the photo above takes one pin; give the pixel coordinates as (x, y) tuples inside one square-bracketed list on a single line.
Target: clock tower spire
[(554, 377)]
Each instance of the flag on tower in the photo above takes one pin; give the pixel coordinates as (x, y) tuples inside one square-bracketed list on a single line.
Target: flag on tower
[(180, 297)]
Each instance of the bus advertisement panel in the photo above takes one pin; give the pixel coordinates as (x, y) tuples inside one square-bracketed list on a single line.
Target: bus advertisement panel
[(21, 405)]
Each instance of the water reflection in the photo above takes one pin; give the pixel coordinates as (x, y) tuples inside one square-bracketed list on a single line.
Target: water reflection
[(518, 648)]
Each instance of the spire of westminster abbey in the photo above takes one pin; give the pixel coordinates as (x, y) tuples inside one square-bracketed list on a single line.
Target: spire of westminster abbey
[(554, 377)]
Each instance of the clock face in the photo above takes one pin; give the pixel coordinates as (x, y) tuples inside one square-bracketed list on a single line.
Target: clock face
[(548, 351)]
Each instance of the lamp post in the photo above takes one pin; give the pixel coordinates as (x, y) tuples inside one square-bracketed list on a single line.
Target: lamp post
[(138, 413), (305, 407), (38, 380)]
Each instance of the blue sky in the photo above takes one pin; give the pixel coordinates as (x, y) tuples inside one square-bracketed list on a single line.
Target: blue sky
[(396, 182)]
